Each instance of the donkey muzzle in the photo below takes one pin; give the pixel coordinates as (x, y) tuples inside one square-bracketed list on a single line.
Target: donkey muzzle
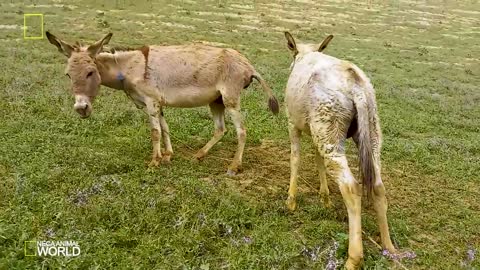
[(82, 106)]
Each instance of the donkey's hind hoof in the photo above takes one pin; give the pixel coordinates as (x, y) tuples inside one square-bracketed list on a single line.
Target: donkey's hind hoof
[(200, 155), (291, 203), (326, 201)]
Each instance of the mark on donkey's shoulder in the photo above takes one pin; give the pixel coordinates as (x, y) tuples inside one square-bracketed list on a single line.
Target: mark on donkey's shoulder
[(145, 51)]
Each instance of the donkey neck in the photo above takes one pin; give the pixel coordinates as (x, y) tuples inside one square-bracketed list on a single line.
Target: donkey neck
[(112, 67)]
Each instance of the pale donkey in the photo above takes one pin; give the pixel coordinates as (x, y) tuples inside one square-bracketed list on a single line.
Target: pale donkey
[(332, 100), (156, 76)]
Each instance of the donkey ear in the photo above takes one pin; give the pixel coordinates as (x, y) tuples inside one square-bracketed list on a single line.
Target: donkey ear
[(325, 43), (292, 46), (62, 46), (96, 48)]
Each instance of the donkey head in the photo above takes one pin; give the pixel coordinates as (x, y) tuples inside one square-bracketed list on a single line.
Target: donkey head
[(82, 71), (302, 49)]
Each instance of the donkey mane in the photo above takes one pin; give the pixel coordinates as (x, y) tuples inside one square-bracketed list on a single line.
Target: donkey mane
[(113, 49)]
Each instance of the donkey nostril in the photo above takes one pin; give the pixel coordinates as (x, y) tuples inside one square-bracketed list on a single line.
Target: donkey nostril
[(82, 110)]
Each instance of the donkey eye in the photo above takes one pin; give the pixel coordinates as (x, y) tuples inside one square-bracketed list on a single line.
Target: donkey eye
[(89, 74), (68, 75)]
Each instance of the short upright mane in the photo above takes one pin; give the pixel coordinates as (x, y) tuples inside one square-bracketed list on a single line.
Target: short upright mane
[(113, 49)]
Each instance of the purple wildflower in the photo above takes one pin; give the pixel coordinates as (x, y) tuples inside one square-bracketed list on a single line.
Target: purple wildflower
[(471, 254), (400, 255), (202, 218), (49, 232), (247, 240), (312, 253), (332, 257)]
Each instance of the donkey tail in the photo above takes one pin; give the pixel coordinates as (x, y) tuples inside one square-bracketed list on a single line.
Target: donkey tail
[(272, 100), (365, 106)]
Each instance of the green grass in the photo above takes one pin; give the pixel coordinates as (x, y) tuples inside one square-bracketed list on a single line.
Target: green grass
[(64, 178)]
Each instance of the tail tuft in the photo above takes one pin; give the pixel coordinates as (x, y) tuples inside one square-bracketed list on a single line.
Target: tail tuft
[(273, 104), (367, 163)]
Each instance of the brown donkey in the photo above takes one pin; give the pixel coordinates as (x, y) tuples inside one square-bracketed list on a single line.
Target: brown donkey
[(156, 76), (331, 100)]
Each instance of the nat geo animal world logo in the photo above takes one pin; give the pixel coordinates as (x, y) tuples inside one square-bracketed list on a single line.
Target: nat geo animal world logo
[(52, 248)]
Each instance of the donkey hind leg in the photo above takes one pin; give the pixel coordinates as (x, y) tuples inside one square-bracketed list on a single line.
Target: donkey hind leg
[(166, 138), (218, 115), (237, 119), (230, 91), (324, 192), (380, 201), (351, 192), (295, 135), (380, 205), (337, 166), (153, 111)]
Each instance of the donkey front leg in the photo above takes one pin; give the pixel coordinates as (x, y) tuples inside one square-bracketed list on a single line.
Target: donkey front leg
[(153, 111), (166, 138), (153, 100)]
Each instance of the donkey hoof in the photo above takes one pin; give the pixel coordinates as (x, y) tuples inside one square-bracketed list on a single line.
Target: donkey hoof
[(155, 162), (231, 172), (291, 203), (353, 264), (326, 201), (234, 169), (200, 155), (166, 159), (390, 249)]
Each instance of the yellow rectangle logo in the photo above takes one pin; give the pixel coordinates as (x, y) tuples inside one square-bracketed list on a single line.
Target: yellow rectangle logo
[(26, 25), (30, 249)]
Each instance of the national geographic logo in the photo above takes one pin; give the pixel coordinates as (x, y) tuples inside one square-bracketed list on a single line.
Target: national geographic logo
[(52, 248)]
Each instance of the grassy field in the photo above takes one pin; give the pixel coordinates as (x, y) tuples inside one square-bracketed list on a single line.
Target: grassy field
[(64, 178)]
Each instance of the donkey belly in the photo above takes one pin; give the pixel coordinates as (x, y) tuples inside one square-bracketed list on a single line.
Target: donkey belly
[(189, 97)]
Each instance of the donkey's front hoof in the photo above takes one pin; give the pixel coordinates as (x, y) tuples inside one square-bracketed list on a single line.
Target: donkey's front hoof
[(353, 264), (291, 203), (155, 162)]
